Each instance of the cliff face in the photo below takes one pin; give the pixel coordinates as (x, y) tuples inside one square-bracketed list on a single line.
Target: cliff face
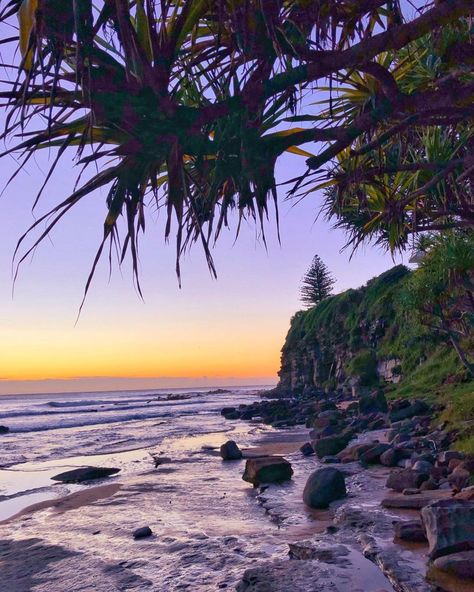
[(357, 338)]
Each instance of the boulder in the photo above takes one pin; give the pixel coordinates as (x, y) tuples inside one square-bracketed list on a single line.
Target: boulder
[(447, 455), (230, 451), (267, 469), (449, 526), (85, 474), (373, 403), (323, 487), (4, 429), (460, 564), (353, 453), (330, 445), (307, 449), (405, 479), (372, 455), (422, 466), (418, 407), (429, 485), (466, 494), (411, 530), (391, 457), (459, 478), (142, 533)]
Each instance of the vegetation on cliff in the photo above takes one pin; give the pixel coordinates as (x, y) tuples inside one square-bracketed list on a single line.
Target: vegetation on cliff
[(367, 338)]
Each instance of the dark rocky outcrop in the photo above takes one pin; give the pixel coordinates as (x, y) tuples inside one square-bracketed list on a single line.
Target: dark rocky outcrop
[(267, 469), (85, 474), (4, 429), (323, 487)]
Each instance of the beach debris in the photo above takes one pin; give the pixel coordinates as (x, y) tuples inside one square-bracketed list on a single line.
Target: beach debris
[(323, 487), (230, 451), (267, 469), (85, 474), (142, 533), (159, 460)]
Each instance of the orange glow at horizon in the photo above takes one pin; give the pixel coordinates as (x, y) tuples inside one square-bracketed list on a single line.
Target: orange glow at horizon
[(49, 354)]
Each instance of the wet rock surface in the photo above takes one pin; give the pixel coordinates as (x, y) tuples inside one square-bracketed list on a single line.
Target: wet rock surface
[(268, 469), (85, 474), (323, 487)]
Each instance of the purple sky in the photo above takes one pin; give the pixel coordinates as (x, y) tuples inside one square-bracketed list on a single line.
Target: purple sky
[(227, 331)]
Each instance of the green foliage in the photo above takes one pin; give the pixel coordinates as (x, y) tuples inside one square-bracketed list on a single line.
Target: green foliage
[(364, 365), (317, 283), (187, 106), (440, 293)]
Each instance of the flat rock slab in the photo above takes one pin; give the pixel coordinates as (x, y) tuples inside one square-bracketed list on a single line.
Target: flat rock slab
[(85, 474), (414, 502), (314, 576)]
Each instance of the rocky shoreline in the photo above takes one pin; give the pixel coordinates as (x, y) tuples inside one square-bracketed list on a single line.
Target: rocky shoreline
[(431, 549)]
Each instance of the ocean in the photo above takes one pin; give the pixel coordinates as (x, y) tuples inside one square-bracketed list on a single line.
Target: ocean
[(208, 525)]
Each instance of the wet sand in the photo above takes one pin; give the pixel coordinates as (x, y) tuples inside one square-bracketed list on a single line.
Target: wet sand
[(72, 501)]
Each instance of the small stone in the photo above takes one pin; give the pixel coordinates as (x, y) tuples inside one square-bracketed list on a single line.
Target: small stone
[(4, 429), (230, 451), (411, 530), (142, 533), (307, 449)]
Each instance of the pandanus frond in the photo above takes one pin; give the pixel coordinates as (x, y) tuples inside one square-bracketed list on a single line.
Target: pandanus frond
[(191, 103)]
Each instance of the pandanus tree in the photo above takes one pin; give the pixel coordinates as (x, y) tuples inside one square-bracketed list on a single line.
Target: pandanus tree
[(190, 104)]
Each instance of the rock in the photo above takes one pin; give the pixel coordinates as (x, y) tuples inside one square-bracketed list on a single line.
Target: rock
[(449, 526), (422, 466), (230, 451), (323, 487), (267, 469), (459, 478), (226, 410), (429, 485), (414, 502), (447, 455), (460, 564), (372, 455), (411, 530), (466, 465), (330, 446), (142, 533), (4, 429), (85, 474), (405, 479), (466, 494), (374, 403), (307, 449), (418, 407), (411, 491), (391, 457), (330, 460), (352, 453), (308, 550)]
